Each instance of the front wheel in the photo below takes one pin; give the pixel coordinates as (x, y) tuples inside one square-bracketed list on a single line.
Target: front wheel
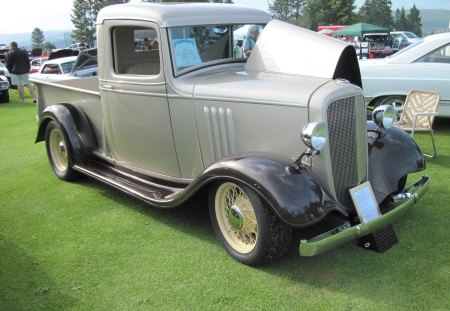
[(397, 101), (248, 229), (59, 152)]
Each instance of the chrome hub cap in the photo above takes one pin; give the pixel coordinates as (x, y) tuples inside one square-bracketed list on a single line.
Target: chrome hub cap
[(58, 151), (236, 218)]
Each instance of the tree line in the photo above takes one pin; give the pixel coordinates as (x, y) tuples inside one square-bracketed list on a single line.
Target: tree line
[(306, 13), (312, 13), (84, 14)]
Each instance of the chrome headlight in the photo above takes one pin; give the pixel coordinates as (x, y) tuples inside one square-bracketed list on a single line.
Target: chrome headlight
[(315, 135), (384, 116)]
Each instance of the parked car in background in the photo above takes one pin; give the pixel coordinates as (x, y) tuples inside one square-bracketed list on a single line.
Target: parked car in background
[(424, 65), (3, 51), (405, 36), (77, 46), (56, 69), (4, 89), (402, 39), (86, 64), (375, 45), (37, 63), (4, 71)]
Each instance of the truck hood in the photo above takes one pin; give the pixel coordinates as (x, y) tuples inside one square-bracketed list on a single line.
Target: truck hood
[(261, 87), (288, 49), (287, 65)]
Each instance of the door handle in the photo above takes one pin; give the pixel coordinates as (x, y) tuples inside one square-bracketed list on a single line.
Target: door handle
[(107, 86)]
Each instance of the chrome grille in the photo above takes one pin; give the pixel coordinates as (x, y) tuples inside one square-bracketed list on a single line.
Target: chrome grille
[(343, 116)]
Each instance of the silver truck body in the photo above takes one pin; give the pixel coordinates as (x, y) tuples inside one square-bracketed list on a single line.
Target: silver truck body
[(170, 130)]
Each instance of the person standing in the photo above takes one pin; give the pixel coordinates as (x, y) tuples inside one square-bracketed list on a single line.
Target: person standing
[(18, 65), (250, 40)]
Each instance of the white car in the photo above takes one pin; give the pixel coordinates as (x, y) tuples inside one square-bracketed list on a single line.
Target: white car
[(405, 36), (4, 71), (36, 64), (56, 69), (5, 79), (424, 65), (4, 87)]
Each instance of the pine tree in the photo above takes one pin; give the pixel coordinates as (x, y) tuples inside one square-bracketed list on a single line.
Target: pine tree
[(84, 16), (377, 12), (37, 38), (415, 21), (330, 12), (280, 9), (49, 46), (287, 10), (401, 22)]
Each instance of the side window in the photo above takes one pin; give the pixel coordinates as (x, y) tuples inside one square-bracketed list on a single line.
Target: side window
[(136, 51), (67, 67), (51, 69), (244, 39), (441, 55)]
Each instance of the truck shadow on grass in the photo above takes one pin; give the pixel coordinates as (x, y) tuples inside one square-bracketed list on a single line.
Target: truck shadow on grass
[(24, 283), (192, 216)]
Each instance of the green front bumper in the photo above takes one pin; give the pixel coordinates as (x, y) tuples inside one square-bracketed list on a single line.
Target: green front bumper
[(327, 241)]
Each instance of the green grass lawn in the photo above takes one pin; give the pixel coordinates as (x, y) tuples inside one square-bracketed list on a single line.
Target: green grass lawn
[(85, 246)]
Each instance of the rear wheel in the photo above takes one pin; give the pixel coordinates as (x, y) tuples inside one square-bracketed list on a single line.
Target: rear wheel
[(59, 152), (4, 97), (248, 229)]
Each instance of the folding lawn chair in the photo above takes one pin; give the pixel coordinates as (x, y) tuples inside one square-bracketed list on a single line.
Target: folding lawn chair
[(418, 114)]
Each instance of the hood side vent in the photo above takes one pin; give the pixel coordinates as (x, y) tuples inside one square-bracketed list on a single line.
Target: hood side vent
[(220, 132)]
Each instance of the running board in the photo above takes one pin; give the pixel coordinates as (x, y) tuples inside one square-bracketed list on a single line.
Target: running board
[(144, 188)]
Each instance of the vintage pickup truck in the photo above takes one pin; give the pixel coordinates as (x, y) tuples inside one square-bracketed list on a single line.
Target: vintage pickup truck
[(280, 139)]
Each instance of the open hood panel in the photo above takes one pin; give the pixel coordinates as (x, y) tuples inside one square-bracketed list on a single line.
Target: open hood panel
[(285, 48)]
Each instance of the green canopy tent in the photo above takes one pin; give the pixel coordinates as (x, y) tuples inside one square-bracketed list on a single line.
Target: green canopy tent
[(359, 30)]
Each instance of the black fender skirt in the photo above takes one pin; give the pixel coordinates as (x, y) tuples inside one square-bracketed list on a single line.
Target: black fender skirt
[(76, 126), (293, 193), (393, 154)]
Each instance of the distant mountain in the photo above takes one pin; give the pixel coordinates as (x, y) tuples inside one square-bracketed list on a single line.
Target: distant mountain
[(60, 38), (435, 21), (420, 4)]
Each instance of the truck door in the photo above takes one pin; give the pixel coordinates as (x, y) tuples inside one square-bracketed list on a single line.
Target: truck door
[(138, 128)]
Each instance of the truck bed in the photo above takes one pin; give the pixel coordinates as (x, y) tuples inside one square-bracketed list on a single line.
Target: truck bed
[(85, 85)]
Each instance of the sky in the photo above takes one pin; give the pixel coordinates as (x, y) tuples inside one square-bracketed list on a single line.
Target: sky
[(22, 16)]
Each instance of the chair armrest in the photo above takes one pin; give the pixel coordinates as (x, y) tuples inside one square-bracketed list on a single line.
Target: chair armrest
[(420, 114)]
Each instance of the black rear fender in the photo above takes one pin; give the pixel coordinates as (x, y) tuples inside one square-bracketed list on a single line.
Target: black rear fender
[(75, 125)]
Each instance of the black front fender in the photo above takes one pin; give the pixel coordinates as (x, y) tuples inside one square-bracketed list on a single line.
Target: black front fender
[(76, 126), (393, 154), (293, 193)]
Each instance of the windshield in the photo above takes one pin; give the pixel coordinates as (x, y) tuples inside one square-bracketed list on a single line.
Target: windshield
[(411, 35), (86, 59), (400, 52), (197, 46), (67, 67)]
